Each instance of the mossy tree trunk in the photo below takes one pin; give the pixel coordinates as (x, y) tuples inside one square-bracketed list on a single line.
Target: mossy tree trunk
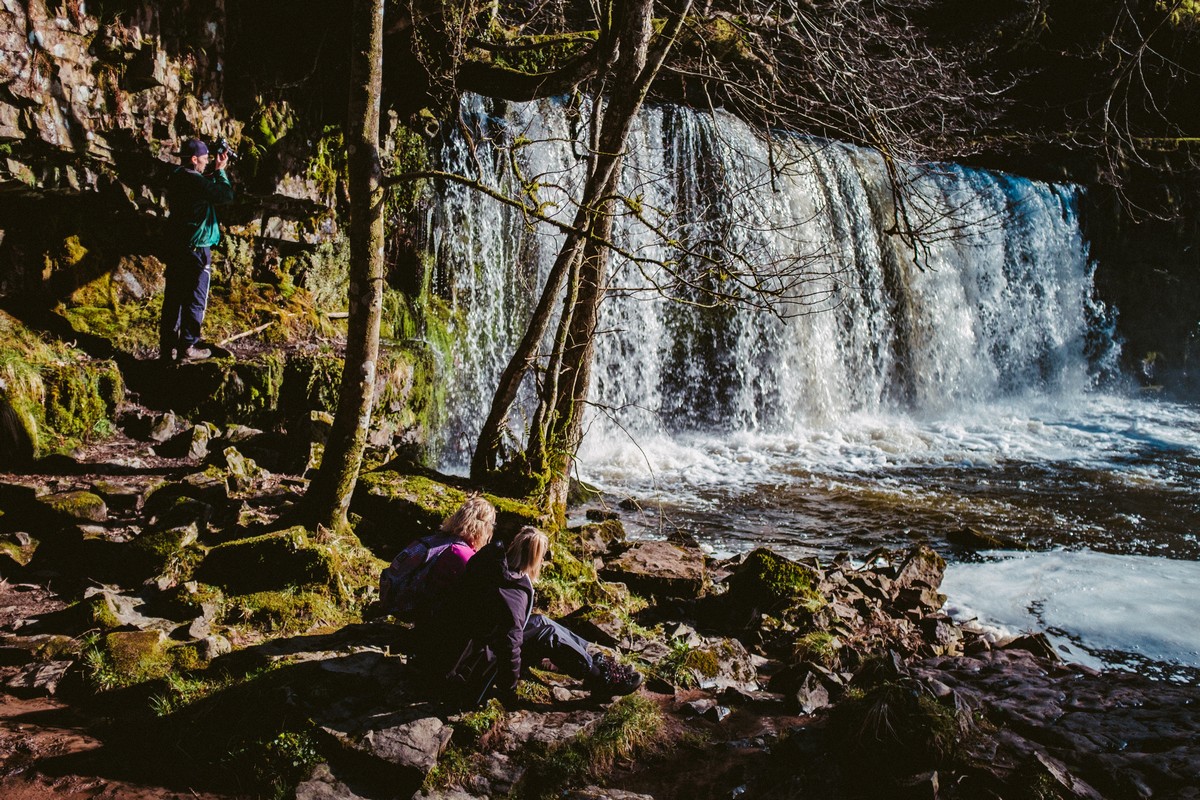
[(582, 266), (329, 495)]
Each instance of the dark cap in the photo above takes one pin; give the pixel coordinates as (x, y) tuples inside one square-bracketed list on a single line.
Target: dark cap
[(193, 147)]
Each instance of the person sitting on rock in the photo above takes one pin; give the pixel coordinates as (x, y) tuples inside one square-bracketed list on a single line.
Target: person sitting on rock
[(487, 629), (419, 579)]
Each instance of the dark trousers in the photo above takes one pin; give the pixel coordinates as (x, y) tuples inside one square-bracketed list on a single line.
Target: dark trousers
[(185, 299), (545, 638)]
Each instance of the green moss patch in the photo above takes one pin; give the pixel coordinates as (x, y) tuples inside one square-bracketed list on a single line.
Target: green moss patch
[(769, 581), (335, 567), (405, 507), (632, 727), (57, 396)]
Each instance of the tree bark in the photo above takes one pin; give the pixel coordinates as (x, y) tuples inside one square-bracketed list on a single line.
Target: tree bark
[(328, 498), (582, 264)]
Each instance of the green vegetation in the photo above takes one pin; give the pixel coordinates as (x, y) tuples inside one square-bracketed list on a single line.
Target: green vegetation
[(127, 658), (58, 395), (819, 647), (1182, 12), (632, 726), (771, 581), (454, 768), (328, 165), (478, 723), (286, 612), (678, 668), (897, 728)]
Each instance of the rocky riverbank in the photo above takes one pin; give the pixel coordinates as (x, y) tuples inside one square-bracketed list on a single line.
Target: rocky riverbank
[(166, 631)]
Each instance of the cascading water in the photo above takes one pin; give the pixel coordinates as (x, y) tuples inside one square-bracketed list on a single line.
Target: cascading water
[(904, 386), (993, 300)]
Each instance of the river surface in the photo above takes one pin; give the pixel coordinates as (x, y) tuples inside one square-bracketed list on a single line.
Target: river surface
[(1095, 499)]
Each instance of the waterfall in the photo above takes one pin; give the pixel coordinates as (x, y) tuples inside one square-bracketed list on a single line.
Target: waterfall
[(992, 298)]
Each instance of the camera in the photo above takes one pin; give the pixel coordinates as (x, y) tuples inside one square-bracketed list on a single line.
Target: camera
[(222, 145)]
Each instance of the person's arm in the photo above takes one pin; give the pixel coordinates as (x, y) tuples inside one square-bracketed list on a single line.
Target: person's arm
[(217, 189), (508, 645)]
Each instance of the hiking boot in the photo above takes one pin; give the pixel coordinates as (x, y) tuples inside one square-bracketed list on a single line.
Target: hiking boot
[(195, 353), (610, 677)]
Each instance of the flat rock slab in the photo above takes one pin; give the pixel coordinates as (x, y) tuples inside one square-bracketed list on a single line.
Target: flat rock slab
[(548, 728), (324, 785), (1121, 734), (414, 745), (661, 569)]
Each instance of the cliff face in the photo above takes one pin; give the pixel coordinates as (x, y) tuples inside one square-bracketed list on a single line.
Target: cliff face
[(96, 98), (82, 95)]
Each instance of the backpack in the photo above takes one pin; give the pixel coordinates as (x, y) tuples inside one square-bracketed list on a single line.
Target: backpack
[(402, 583)]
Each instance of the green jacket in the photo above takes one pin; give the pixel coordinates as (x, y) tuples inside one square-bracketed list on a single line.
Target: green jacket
[(191, 198)]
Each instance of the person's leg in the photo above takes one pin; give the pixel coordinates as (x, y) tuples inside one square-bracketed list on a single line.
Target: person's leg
[(545, 638), (196, 304), (176, 290)]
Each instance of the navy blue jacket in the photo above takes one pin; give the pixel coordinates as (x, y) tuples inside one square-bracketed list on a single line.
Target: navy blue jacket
[(488, 608)]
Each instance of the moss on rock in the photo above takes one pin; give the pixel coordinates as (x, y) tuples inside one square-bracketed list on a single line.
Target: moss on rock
[(768, 581), (290, 559), (404, 507), (270, 561), (80, 506)]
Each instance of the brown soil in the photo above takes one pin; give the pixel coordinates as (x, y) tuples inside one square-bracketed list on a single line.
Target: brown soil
[(46, 751)]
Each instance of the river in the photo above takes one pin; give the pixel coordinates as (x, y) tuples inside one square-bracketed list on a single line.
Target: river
[(957, 385)]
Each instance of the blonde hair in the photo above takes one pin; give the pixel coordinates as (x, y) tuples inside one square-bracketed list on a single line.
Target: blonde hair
[(528, 551), (473, 523)]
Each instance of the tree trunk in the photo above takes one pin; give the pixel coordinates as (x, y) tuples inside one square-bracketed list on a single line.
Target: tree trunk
[(582, 265), (557, 432), (329, 495)]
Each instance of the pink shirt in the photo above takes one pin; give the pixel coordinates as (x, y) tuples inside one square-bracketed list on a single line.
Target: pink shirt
[(445, 571)]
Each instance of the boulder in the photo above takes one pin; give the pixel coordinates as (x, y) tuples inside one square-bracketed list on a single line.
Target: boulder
[(770, 583), (155, 551), (717, 664), (162, 427), (406, 507), (547, 728), (811, 695), (243, 472), (270, 561), (599, 793), (16, 549), (922, 567), (40, 678), (79, 506), (599, 538), (324, 785), (190, 443), (412, 745), (661, 569), (120, 496)]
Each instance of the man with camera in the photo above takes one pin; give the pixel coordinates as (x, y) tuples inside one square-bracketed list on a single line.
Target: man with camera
[(193, 230)]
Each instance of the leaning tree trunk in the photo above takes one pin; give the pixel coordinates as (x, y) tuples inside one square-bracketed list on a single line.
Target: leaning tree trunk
[(582, 265), (558, 429), (329, 496)]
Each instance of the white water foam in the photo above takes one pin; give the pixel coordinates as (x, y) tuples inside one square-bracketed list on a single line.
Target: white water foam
[(1137, 605), (1107, 433)]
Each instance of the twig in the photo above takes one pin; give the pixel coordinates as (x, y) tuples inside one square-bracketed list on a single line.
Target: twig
[(244, 334)]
